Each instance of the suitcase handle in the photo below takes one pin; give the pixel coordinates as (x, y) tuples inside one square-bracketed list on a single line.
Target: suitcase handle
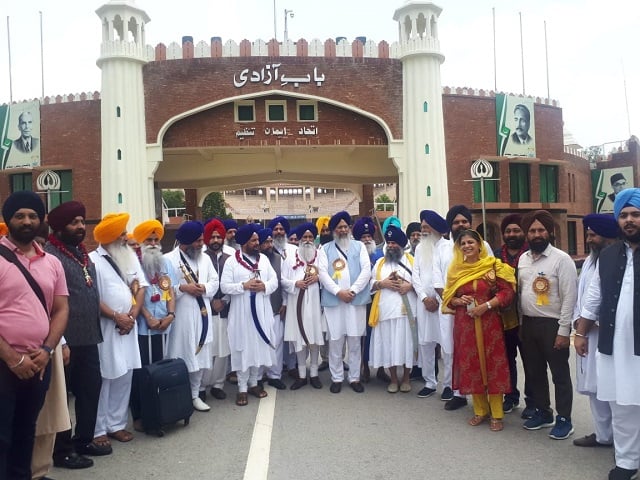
[(164, 361)]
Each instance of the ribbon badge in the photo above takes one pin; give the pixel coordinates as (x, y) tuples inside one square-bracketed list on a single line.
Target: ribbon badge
[(164, 283), (541, 289), (135, 288), (338, 266)]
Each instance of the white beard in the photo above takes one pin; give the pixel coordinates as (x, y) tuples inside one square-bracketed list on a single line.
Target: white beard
[(370, 246), (426, 247), (306, 251), (123, 256), (280, 243), (342, 242), (152, 260)]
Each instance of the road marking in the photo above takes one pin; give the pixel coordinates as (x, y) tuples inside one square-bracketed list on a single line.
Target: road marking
[(257, 467)]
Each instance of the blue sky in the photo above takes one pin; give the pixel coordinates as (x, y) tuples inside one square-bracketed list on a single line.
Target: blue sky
[(590, 45)]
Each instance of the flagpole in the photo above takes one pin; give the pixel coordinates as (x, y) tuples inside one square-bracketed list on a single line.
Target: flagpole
[(522, 53), (546, 57), (626, 99), (9, 48), (41, 55), (495, 62), (275, 26)]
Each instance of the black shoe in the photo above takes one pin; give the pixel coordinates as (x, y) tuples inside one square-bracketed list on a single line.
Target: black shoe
[(277, 383), (315, 382), (299, 383), (528, 412), (382, 376), (508, 405), (590, 441), (620, 473), (416, 372), (455, 403), (94, 450), (217, 393), (335, 387), (323, 366), (202, 395), (426, 392), (447, 394), (73, 462), (357, 387)]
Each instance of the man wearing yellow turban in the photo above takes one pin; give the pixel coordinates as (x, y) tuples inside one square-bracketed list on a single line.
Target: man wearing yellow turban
[(157, 312), (122, 285)]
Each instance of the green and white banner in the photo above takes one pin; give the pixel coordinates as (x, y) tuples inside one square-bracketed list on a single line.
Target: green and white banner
[(515, 123), (606, 184), (20, 130)]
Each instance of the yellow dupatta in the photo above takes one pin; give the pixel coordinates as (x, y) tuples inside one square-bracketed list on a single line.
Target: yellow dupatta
[(461, 272)]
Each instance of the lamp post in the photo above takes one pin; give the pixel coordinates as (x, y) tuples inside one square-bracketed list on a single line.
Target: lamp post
[(287, 13)]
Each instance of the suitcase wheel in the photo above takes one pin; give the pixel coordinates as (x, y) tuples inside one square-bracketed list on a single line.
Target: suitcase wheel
[(186, 421)]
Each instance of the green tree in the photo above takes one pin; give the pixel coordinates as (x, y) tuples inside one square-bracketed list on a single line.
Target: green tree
[(214, 206), (173, 198), (384, 198)]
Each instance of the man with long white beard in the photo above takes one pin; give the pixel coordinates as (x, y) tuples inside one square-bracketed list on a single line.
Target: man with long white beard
[(432, 227), (345, 271), (393, 310), (192, 336), (602, 231), (158, 311), (122, 285), (249, 280), (303, 323)]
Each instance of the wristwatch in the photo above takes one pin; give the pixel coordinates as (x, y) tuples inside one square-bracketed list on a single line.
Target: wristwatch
[(47, 349)]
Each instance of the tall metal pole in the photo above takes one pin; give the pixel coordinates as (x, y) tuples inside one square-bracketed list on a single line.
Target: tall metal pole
[(484, 210), (9, 48), (522, 53), (495, 61), (41, 55), (275, 26), (546, 56)]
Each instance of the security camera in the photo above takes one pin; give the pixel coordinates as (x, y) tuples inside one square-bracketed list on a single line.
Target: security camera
[(291, 14)]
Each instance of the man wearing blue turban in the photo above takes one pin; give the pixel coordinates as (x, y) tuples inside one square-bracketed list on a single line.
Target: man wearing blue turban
[(613, 299)]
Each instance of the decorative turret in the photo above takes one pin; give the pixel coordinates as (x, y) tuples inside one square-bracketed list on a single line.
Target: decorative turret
[(126, 183), (423, 168)]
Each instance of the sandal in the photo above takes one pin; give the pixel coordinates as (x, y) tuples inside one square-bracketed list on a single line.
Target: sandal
[(241, 399), (257, 392), (477, 420), (496, 425), (121, 435), (101, 441)]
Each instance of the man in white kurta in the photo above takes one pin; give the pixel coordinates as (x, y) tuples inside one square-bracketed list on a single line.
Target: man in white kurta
[(198, 278), (602, 230), (249, 274), (345, 271), (612, 299), (433, 226), (120, 280), (299, 278), (393, 311)]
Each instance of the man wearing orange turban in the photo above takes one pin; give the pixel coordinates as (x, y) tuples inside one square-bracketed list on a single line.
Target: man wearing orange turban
[(157, 312), (324, 233), (122, 285), (3, 229)]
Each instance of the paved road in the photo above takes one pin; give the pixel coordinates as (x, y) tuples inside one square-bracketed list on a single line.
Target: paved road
[(313, 434)]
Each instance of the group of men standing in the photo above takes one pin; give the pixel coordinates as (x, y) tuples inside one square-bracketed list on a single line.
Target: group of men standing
[(242, 299)]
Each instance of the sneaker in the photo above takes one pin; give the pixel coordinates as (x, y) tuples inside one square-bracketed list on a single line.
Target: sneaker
[(528, 412), (447, 394), (620, 473), (540, 419), (200, 406), (426, 392), (508, 405), (563, 428), (455, 403)]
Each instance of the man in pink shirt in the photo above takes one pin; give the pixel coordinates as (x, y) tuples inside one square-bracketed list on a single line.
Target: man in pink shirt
[(32, 320)]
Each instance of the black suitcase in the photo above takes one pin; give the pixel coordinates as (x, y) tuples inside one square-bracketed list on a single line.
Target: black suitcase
[(165, 395)]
